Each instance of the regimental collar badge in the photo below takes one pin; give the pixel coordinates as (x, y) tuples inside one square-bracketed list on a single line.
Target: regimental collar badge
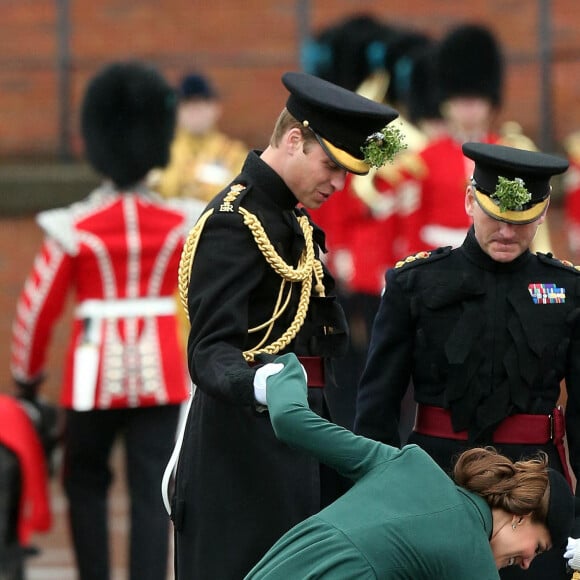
[(546, 293)]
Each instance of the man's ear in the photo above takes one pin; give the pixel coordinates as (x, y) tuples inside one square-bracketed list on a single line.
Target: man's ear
[(542, 218), (469, 201), (294, 140)]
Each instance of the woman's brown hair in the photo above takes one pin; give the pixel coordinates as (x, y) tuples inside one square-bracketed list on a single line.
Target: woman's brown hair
[(517, 487)]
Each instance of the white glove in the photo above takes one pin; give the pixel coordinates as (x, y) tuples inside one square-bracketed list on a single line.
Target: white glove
[(260, 379), (572, 553)]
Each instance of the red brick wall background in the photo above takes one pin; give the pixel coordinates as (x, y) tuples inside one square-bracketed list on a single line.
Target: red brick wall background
[(245, 46)]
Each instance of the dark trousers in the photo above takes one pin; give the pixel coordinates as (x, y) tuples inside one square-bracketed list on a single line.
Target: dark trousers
[(149, 437), (360, 310)]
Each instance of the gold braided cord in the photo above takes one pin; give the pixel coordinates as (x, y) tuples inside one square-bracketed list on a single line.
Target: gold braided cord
[(269, 324), (291, 331), (319, 275), (308, 267), (186, 261), (278, 310), (287, 272)]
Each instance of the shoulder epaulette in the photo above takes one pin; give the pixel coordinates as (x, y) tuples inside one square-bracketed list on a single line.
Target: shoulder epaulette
[(60, 223), (424, 257), (232, 198), (550, 259)]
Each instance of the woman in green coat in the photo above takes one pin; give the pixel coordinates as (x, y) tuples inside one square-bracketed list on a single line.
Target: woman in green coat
[(404, 517)]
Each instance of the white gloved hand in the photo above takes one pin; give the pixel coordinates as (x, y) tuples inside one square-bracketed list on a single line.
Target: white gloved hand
[(260, 379), (572, 553)]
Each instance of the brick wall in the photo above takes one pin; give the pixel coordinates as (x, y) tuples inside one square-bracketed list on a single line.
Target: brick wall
[(245, 46)]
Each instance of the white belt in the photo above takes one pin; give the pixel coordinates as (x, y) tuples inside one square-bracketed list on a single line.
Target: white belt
[(126, 307)]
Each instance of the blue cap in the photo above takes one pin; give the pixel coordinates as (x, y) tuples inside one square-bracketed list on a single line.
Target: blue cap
[(196, 86)]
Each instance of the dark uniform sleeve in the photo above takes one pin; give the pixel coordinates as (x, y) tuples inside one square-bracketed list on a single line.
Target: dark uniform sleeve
[(227, 269), (388, 369)]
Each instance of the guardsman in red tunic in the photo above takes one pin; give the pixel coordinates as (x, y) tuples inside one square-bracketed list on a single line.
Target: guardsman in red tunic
[(362, 221), (118, 252), (470, 95)]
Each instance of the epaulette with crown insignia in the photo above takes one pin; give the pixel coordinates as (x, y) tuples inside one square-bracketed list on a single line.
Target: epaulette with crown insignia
[(549, 258), (232, 198), (424, 257)]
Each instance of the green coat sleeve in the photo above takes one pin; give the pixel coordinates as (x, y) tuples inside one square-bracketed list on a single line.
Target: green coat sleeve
[(295, 424)]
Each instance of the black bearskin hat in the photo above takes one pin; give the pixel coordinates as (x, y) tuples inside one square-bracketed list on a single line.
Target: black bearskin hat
[(424, 100), (128, 121), (399, 62), (470, 64), (348, 52)]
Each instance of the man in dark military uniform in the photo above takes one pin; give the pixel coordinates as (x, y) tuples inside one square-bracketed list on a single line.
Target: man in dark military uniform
[(486, 331), (254, 287)]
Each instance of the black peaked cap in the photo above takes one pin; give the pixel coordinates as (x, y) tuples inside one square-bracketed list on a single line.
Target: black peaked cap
[(534, 168), (341, 119)]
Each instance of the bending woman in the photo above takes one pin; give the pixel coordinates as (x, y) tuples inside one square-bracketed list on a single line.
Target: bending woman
[(404, 517)]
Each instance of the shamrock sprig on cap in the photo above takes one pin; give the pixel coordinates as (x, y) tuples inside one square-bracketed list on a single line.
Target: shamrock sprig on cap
[(383, 145), (511, 194)]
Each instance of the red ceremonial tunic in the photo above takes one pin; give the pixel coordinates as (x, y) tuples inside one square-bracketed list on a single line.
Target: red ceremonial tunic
[(440, 218), (362, 226), (571, 184), (118, 253)]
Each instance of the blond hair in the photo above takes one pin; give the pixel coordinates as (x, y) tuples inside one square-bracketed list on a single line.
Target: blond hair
[(285, 123)]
